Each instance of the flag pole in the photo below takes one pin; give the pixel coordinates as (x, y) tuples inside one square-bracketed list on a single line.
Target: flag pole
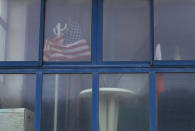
[(56, 102), (58, 32)]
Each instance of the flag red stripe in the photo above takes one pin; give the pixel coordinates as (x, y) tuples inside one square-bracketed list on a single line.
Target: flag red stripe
[(65, 53), (63, 47), (69, 50)]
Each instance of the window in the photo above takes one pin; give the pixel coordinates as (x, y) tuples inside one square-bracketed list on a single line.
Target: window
[(100, 65), (174, 29), (123, 99), (126, 30), (68, 27), (17, 101), (176, 102), (20, 24), (67, 100)]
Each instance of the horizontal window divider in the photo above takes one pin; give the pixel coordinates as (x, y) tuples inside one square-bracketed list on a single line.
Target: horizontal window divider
[(173, 63), (133, 63), (20, 64), (100, 70), (37, 64), (53, 63), (89, 64), (92, 66)]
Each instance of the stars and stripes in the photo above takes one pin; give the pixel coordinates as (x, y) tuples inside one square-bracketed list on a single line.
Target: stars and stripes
[(67, 47)]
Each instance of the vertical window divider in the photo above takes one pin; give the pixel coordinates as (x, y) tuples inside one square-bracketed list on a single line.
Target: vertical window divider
[(95, 102), (94, 30), (42, 30), (39, 80), (152, 101), (151, 32), (100, 32)]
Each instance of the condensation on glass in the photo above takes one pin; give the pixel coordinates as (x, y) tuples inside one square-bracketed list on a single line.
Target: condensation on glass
[(174, 29), (66, 102), (126, 30), (175, 101), (124, 102), (19, 30), (68, 30), (17, 102)]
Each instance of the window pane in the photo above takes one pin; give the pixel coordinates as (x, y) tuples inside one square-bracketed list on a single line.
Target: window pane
[(66, 104), (123, 102), (17, 102), (19, 30), (175, 101), (174, 29), (126, 30), (68, 30)]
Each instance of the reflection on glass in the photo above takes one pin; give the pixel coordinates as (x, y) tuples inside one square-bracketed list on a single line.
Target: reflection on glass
[(66, 103), (174, 29), (126, 30), (175, 101), (19, 30), (17, 100), (68, 30), (123, 102)]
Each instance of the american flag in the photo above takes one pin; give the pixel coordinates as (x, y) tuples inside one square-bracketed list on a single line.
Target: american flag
[(70, 46)]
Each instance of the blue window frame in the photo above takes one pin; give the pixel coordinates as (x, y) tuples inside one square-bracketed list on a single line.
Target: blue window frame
[(97, 32), (30, 63), (97, 66), (95, 97)]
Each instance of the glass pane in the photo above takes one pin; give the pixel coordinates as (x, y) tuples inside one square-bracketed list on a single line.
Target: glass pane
[(124, 102), (126, 30), (174, 29), (175, 101), (17, 102), (68, 30), (19, 30), (66, 104)]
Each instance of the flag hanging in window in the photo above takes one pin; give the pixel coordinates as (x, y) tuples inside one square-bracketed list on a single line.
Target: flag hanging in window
[(68, 45)]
